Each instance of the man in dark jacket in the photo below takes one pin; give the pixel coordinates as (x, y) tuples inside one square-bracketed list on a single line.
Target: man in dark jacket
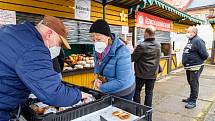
[(146, 59), (26, 66), (193, 58)]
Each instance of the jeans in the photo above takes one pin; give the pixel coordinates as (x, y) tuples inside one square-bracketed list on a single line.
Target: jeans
[(193, 81), (149, 86)]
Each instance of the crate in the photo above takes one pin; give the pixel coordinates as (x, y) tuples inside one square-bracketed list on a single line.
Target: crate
[(142, 111), (66, 115)]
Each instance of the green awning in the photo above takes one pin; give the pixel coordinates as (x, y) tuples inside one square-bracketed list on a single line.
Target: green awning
[(212, 20), (157, 8), (179, 16)]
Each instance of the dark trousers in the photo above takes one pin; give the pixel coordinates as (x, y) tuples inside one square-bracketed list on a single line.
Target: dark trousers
[(149, 86), (193, 80)]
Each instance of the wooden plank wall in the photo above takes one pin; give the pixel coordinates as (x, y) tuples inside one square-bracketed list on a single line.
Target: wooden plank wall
[(112, 13), (132, 22), (45, 7), (179, 28), (63, 9), (213, 27)]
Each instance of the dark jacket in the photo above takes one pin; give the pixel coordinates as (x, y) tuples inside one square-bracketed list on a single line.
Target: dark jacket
[(146, 58), (26, 66), (195, 52), (58, 62)]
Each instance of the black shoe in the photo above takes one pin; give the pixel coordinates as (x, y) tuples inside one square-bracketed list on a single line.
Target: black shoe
[(190, 105), (186, 100)]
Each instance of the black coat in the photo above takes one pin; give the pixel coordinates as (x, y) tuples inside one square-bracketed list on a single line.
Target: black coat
[(146, 58), (195, 52)]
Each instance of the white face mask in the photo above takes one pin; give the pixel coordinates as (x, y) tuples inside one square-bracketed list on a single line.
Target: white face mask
[(100, 46), (54, 51)]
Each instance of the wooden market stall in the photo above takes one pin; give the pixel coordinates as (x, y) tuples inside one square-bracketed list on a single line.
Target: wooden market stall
[(114, 16), (165, 18), (212, 22), (78, 16)]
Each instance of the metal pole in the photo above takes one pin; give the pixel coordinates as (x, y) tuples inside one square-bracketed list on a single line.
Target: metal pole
[(104, 3), (104, 10)]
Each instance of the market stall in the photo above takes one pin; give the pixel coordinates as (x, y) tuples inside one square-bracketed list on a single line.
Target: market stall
[(212, 22), (78, 16), (80, 69), (166, 19), (162, 35), (178, 40)]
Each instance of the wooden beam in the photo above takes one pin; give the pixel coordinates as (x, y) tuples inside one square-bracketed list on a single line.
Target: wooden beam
[(38, 4), (33, 10)]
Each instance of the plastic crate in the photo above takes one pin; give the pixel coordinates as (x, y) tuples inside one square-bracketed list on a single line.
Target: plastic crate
[(66, 115), (142, 111)]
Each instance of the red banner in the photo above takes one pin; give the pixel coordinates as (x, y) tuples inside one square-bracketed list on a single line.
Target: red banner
[(144, 20)]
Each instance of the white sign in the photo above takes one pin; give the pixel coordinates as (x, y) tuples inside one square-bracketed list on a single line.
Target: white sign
[(7, 17), (206, 33), (180, 42), (82, 9), (125, 29)]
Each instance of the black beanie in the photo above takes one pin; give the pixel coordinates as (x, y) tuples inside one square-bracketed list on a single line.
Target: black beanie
[(100, 26)]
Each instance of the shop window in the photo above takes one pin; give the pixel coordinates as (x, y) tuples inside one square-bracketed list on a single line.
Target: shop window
[(28, 17), (213, 44), (206, 18), (86, 49), (165, 49)]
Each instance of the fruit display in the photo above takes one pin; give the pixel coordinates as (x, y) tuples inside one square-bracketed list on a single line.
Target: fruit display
[(78, 61)]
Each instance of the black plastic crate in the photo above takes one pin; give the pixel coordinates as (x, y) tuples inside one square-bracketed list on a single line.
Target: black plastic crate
[(142, 111), (66, 115)]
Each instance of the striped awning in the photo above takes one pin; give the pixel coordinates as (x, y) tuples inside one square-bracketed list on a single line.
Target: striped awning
[(212, 21), (157, 8), (163, 9)]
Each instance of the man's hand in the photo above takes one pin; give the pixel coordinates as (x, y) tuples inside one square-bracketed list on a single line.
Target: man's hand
[(97, 83), (84, 96)]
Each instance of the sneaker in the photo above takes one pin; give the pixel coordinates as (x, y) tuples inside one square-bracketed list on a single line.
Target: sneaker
[(186, 100), (190, 105)]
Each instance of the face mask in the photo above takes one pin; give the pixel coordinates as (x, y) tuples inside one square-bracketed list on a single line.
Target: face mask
[(100, 46), (54, 51), (189, 35)]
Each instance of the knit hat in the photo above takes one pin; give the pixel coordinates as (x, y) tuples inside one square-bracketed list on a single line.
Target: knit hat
[(100, 26)]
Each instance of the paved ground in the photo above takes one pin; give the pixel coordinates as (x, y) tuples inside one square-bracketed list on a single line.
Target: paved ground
[(169, 92)]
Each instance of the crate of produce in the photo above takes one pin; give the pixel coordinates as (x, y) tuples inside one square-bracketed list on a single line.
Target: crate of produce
[(34, 110)]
